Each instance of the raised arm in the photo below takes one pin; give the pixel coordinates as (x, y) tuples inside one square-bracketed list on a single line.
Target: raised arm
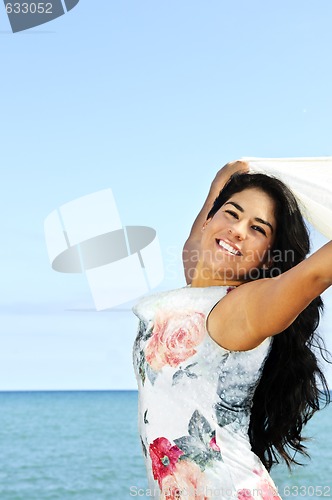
[(191, 246), (267, 307)]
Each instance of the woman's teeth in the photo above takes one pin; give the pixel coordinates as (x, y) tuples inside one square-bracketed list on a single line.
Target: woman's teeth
[(227, 247)]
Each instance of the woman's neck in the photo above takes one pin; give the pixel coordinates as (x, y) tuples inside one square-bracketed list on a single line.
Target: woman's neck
[(203, 277)]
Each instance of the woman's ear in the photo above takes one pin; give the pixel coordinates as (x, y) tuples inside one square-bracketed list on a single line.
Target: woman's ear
[(205, 224)]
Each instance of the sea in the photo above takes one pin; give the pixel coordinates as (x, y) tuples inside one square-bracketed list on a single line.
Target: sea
[(84, 445)]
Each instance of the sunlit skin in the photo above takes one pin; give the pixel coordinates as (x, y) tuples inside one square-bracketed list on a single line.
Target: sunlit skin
[(247, 223)]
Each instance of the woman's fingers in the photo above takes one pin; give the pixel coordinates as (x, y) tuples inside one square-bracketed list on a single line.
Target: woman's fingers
[(229, 169)]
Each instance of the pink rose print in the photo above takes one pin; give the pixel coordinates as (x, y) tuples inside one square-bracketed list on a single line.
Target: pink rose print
[(266, 489), (164, 456), (186, 482), (268, 492), (174, 338), (244, 495), (259, 472)]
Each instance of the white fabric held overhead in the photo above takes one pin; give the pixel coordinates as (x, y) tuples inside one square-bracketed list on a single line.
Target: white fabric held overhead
[(310, 179)]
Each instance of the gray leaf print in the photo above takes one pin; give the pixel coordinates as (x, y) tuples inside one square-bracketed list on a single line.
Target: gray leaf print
[(143, 447), (186, 371), (190, 445), (187, 368), (152, 375), (177, 376), (200, 427), (199, 446)]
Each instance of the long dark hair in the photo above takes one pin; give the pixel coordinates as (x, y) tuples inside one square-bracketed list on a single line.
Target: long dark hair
[(289, 392)]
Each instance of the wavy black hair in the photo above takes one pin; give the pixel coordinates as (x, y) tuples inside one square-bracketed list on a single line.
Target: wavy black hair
[(292, 387)]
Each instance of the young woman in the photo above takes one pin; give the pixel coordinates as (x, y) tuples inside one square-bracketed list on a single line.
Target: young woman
[(226, 367)]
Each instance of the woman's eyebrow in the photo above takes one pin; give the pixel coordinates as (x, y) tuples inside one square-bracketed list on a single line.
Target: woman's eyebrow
[(258, 219)]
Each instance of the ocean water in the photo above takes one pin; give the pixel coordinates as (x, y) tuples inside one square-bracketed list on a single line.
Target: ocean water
[(85, 446)]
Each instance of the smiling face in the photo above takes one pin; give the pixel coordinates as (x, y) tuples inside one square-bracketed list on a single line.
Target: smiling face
[(236, 240)]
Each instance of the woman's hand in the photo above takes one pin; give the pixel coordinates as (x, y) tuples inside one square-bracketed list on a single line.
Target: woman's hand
[(227, 171)]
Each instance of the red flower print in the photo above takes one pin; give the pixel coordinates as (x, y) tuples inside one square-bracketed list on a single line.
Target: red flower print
[(174, 338), (213, 444), (164, 457)]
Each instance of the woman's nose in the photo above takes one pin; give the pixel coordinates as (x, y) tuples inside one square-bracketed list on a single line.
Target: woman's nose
[(238, 230)]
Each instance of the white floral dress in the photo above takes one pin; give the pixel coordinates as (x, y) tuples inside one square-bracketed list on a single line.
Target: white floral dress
[(194, 402)]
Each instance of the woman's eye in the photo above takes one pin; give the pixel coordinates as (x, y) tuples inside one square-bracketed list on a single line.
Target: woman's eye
[(234, 214), (259, 229)]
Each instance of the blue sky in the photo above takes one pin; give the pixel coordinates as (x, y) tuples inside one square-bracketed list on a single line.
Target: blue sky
[(150, 99)]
